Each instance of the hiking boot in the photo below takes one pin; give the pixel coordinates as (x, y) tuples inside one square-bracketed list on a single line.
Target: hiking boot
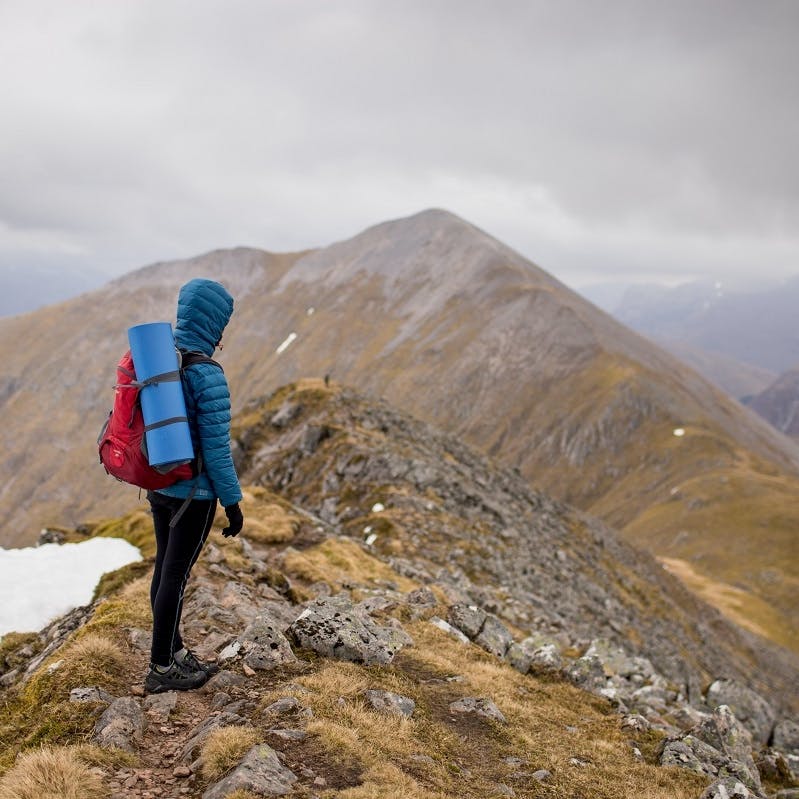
[(176, 678), (189, 660)]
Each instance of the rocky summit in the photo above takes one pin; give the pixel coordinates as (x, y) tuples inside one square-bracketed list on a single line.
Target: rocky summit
[(401, 617)]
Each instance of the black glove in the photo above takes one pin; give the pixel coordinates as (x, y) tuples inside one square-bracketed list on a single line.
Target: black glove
[(236, 519)]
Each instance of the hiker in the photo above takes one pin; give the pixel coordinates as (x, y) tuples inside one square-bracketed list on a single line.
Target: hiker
[(204, 309)]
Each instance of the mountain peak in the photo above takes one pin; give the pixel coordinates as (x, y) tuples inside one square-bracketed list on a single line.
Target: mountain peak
[(463, 332)]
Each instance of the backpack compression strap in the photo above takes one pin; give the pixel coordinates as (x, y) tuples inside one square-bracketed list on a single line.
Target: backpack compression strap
[(188, 359)]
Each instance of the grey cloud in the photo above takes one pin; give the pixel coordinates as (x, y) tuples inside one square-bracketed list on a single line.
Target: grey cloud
[(155, 130)]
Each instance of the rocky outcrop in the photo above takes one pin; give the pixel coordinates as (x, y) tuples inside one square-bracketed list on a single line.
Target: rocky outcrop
[(532, 563), (334, 627), (754, 712), (719, 746)]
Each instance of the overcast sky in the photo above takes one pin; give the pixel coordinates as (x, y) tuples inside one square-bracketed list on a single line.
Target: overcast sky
[(604, 139)]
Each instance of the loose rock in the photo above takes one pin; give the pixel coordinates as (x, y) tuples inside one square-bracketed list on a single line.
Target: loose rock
[(260, 772), (387, 702), (480, 706), (90, 694), (121, 724), (159, 706), (728, 788)]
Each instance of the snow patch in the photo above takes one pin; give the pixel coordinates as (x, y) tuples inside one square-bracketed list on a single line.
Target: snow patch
[(286, 344), (39, 584)]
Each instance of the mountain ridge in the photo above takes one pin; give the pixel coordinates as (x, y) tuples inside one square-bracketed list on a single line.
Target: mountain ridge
[(454, 326), (399, 617)]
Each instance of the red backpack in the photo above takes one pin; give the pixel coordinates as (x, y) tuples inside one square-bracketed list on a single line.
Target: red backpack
[(121, 443)]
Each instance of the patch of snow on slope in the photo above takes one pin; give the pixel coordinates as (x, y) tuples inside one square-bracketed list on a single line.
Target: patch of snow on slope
[(38, 584)]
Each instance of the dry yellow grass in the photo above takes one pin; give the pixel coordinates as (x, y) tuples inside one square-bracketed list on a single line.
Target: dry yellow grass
[(268, 519), (386, 781), (738, 605), (54, 773), (272, 525), (41, 713), (92, 659), (337, 561), (728, 524), (136, 528), (224, 749), (130, 607), (436, 754)]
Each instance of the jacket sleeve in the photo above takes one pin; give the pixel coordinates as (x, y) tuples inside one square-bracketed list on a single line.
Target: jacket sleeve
[(212, 416)]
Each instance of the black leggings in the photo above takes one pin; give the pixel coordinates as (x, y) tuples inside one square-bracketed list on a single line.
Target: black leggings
[(177, 550)]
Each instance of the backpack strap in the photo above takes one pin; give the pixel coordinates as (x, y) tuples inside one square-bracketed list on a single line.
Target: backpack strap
[(187, 359), (182, 509)]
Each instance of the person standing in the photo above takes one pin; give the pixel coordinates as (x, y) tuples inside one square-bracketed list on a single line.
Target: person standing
[(184, 512)]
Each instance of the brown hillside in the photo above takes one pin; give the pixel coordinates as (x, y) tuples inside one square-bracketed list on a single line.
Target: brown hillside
[(450, 324)]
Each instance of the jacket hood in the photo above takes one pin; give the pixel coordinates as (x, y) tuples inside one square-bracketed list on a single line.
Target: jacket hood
[(204, 309)]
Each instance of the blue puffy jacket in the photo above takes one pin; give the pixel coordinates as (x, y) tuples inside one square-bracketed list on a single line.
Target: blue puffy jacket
[(204, 308)]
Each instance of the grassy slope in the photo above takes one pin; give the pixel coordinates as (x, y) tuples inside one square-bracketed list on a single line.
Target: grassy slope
[(701, 498)]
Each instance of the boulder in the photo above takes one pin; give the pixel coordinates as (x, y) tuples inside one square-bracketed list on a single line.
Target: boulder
[(519, 658), (467, 618), (121, 724), (754, 712), (786, 736), (446, 627), (588, 673), (546, 659), (264, 645), (260, 772), (719, 746), (333, 627), (616, 661), (422, 598), (494, 636)]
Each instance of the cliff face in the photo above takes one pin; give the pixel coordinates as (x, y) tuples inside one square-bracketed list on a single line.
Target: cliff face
[(451, 325), (400, 617)]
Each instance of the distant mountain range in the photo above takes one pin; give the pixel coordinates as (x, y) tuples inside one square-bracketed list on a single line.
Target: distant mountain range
[(740, 339), (449, 324), (26, 288), (779, 403)]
